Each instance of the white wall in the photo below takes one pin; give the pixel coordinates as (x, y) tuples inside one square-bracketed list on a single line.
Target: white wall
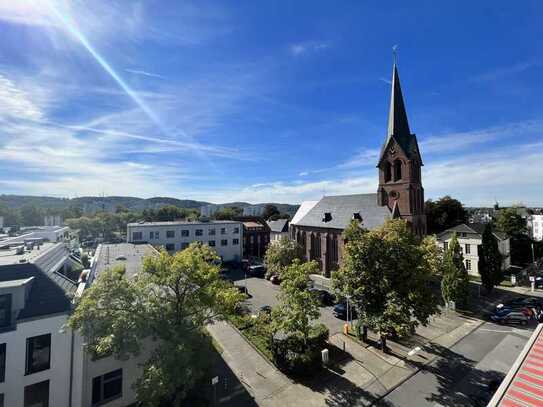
[(537, 227), (275, 236), (59, 372), (230, 252), (473, 256)]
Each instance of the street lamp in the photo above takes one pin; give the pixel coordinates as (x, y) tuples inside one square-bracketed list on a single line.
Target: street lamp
[(349, 317)]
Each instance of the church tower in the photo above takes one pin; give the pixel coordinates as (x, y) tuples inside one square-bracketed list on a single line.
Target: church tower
[(400, 184)]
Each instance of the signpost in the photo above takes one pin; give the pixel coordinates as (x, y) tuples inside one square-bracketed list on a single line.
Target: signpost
[(532, 283)]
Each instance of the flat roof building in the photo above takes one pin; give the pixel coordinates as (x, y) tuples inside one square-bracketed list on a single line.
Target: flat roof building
[(224, 236)]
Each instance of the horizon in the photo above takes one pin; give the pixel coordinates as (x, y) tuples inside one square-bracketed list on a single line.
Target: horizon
[(211, 102)]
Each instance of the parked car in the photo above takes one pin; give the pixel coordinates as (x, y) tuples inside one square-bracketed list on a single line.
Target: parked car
[(507, 316), (257, 270), (520, 302), (323, 296), (340, 311)]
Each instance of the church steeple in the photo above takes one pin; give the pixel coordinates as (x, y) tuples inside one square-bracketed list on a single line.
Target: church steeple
[(400, 183), (398, 125)]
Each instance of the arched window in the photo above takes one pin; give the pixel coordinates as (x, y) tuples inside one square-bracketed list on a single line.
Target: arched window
[(397, 170), (388, 172)]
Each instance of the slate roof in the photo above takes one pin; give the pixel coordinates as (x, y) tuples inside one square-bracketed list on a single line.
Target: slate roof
[(342, 208), (472, 228), (51, 292), (278, 226), (305, 207)]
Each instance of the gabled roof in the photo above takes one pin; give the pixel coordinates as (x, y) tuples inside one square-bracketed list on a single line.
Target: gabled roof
[(305, 207), (472, 228), (342, 209), (278, 226), (398, 125)]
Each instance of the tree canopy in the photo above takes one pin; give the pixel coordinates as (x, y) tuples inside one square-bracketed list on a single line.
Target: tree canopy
[(444, 213), (281, 254), (455, 281), (170, 300), (490, 260), (385, 274), (270, 211), (509, 221)]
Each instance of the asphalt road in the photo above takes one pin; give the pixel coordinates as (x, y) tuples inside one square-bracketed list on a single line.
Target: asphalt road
[(461, 378)]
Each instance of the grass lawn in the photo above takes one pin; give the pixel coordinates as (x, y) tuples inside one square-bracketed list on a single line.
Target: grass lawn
[(253, 331)]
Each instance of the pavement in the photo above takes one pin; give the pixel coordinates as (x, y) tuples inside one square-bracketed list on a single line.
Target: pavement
[(362, 375)]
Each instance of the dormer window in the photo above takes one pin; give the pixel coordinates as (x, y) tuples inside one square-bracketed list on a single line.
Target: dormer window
[(327, 217), (356, 216), (5, 310)]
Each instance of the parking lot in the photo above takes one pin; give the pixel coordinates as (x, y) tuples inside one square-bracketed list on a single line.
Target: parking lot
[(262, 292)]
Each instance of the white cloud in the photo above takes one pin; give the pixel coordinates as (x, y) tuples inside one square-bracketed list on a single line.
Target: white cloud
[(144, 73), (308, 47), (15, 102)]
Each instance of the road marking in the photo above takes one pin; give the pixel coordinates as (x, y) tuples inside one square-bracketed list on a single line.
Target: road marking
[(496, 330)]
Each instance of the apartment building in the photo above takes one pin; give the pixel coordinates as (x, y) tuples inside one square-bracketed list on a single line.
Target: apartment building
[(225, 237), (535, 226), (470, 238), (35, 302)]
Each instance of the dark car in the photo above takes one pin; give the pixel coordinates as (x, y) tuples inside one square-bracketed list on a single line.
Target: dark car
[(340, 311), (508, 316), (257, 270), (324, 297), (519, 303)]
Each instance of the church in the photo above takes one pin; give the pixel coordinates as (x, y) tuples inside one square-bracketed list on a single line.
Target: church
[(317, 225)]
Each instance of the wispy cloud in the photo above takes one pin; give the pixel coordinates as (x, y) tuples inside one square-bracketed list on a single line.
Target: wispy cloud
[(15, 102), (307, 47), (505, 71), (145, 73)]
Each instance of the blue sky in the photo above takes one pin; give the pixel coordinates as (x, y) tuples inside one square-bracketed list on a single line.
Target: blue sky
[(267, 101)]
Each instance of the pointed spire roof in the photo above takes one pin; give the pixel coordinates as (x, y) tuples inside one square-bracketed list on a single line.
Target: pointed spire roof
[(398, 125)]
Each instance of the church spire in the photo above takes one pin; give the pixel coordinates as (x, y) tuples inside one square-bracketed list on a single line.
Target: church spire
[(397, 117)]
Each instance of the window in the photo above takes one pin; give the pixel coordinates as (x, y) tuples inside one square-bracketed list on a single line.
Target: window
[(170, 247), (170, 234), (199, 232), (224, 242), (37, 395), (211, 232), (2, 364), (38, 353), (397, 170), (154, 235), (223, 231), (185, 233), (184, 246), (235, 242), (468, 265), (1, 399), (5, 310), (388, 172), (236, 231), (211, 243), (468, 249), (445, 246), (107, 387), (251, 239), (137, 236)]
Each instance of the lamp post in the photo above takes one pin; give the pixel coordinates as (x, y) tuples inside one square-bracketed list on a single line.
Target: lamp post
[(349, 317)]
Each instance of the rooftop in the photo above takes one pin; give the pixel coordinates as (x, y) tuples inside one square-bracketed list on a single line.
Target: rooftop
[(10, 256), (183, 222), (126, 254)]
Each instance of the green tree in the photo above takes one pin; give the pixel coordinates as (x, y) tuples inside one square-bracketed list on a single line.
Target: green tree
[(387, 278), (455, 281), (280, 255), (85, 260), (490, 260), (170, 300), (432, 255), (298, 307), (31, 216), (510, 222), (228, 213), (444, 213), (270, 211)]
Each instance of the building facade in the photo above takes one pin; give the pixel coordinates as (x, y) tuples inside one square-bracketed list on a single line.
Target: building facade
[(225, 237), (256, 236), (318, 226), (535, 225), (470, 239), (278, 229)]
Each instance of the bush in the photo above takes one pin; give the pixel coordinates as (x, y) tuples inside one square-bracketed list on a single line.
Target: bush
[(292, 355)]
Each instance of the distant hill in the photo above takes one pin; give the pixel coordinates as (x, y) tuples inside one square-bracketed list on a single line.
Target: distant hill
[(90, 204)]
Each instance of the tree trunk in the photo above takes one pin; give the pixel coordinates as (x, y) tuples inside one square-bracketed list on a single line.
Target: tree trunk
[(364, 333)]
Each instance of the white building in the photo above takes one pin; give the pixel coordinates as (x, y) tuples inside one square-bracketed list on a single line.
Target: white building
[(35, 233), (253, 210), (278, 229), (35, 352), (470, 238), (536, 227), (52, 220), (107, 380), (225, 236)]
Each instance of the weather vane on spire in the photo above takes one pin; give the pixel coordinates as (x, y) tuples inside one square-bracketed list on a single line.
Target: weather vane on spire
[(395, 53)]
